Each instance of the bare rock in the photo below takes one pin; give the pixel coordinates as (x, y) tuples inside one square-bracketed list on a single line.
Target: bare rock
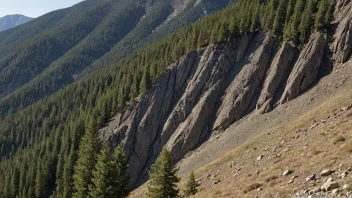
[(216, 182), (306, 68), (278, 72), (326, 172), (287, 172), (329, 186), (243, 87), (259, 157), (311, 178), (342, 45)]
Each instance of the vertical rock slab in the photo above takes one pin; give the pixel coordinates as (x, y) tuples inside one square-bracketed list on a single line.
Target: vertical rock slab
[(279, 70), (195, 128), (140, 132), (306, 68), (342, 45), (244, 86), (194, 89)]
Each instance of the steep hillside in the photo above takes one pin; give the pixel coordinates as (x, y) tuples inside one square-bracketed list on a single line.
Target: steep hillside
[(252, 57), (99, 32), (207, 91), (11, 21)]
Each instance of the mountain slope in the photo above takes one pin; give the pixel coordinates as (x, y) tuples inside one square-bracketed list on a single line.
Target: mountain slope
[(27, 77), (176, 93), (11, 21)]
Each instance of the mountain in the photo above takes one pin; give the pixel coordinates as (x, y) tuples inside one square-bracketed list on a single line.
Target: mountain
[(11, 21), (247, 79), (88, 40)]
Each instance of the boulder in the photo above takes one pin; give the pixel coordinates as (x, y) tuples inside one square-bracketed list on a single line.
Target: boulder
[(311, 178), (287, 172), (329, 186), (326, 172), (306, 68)]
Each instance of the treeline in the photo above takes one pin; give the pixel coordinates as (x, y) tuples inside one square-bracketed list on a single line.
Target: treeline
[(39, 144), (63, 52)]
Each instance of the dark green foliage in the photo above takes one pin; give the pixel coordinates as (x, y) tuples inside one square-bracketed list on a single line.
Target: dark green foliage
[(305, 26), (323, 17), (110, 176), (101, 187), (49, 131), (85, 164), (120, 177), (191, 186), (163, 177)]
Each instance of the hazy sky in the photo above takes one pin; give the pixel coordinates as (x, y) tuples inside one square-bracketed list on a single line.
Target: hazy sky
[(33, 8)]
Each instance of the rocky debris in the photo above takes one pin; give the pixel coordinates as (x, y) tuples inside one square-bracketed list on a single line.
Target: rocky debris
[(260, 157), (242, 89), (328, 186), (278, 72), (291, 181), (321, 122), (329, 179), (216, 182), (341, 47), (311, 178), (326, 172), (306, 68), (287, 172)]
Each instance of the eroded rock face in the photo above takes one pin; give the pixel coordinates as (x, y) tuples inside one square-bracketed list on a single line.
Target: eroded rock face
[(207, 91), (306, 68), (240, 92), (342, 47), (279, 70)]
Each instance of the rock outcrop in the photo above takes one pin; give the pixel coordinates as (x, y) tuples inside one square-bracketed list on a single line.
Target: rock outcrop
[(341, 47), (208, 90), (240, 92), (279, 70), (306, 68)]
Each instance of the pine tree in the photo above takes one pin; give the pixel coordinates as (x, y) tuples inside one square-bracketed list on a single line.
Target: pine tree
[(86, 162), (39, 183), (68, 173), (305, 25), (119, 173), (289, 10), (279, 20), (110, 176), (101, 187), (320, 18), (191, 186), (163, 177), (14, 183)]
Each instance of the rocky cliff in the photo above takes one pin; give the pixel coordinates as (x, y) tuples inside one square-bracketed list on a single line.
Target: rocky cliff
[(208, 90)]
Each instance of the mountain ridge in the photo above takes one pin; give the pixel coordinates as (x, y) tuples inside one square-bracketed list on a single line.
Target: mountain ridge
[(11, 21)]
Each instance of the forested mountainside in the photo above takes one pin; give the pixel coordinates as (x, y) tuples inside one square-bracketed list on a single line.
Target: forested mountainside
[(11, 21), (39, 143), (60, 45)]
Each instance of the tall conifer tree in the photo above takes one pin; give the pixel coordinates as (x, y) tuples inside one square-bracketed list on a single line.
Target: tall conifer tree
[(86, 161), (163, 177)]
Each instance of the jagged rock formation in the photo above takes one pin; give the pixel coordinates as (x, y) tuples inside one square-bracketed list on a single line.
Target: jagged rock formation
[(207, 91), (279, 70), (244, 86), (306, 69), (341, 47)]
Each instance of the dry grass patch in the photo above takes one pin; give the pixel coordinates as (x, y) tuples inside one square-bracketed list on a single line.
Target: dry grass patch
[(338, 139), (252, 187)]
